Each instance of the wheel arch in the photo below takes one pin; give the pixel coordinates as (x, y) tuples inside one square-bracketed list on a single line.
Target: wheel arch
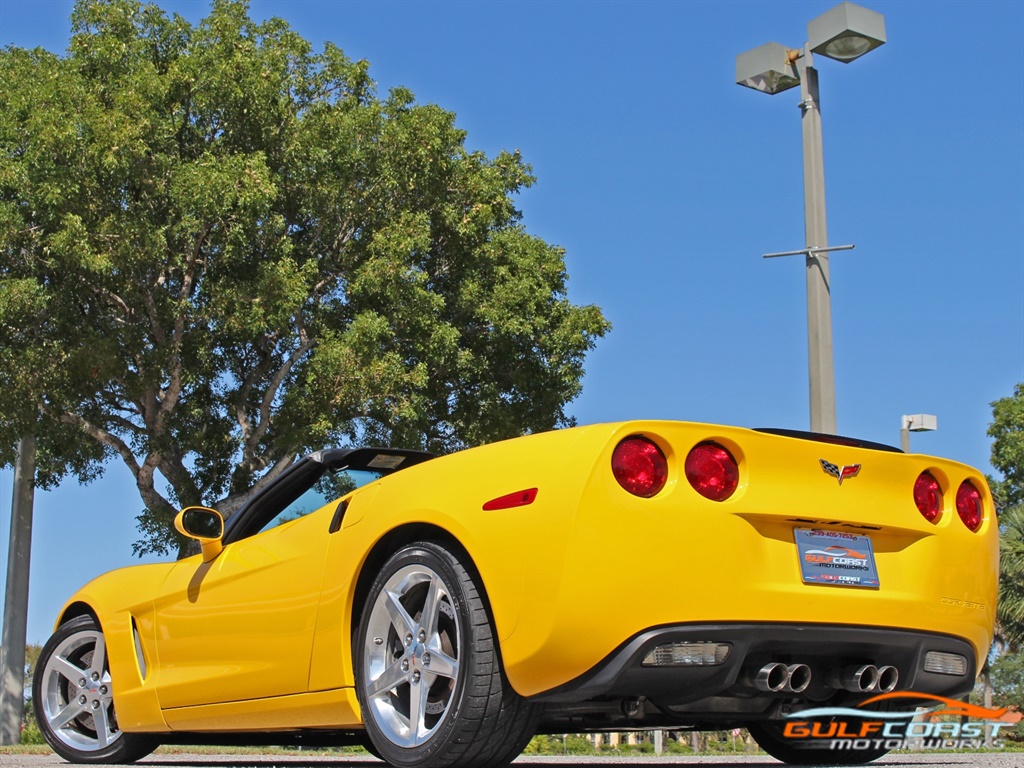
[(77, 609), (393, 541)]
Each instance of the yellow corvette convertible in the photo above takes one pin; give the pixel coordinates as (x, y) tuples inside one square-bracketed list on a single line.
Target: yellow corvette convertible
[(644, 574)]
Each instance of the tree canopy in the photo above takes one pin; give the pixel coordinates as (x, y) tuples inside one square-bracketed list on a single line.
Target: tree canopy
[(1007, 433), (220, 249)]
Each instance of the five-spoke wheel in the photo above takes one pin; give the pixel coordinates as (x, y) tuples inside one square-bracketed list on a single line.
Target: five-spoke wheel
[(429, 678), (411, 660), (73, 695)]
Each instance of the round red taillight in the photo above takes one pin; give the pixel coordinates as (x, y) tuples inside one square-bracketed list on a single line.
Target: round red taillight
[(928, 496), (639, 466), (712, 471), (968, 505)]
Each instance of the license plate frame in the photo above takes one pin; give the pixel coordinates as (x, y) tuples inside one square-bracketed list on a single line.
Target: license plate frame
[(836, 558)]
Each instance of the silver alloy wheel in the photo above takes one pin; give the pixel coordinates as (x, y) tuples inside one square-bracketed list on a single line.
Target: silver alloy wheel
[(411, 655), (77, 694)]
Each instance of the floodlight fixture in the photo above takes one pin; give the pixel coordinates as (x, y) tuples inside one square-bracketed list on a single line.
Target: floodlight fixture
[(846, 32), (769, 68), (919, 422)]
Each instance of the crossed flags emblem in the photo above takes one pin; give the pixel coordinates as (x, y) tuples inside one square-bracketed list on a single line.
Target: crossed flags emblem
[(839, 473)]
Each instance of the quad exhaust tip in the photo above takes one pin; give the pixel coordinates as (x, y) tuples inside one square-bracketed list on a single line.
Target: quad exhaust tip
[(777, 677), (866, 678)]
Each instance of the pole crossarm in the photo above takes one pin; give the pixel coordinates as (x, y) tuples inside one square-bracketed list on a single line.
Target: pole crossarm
[(810, 251)]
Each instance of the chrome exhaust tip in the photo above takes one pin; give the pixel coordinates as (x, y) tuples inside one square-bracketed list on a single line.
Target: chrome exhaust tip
[(888, 678), (857, 679), (798, 678), (772, 677)]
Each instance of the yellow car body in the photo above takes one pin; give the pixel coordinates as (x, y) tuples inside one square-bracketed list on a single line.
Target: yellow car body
[(581, 583)]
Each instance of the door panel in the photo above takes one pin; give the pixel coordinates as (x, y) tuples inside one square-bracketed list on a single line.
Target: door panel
[(241, 627)]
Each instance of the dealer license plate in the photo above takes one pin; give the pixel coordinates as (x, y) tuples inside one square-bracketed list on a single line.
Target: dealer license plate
[(836, 558)]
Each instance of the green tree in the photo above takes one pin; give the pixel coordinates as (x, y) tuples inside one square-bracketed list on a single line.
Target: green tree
[(220, 249), (1003, 686), (1007, 433), (1008, 681), (1010, 609)]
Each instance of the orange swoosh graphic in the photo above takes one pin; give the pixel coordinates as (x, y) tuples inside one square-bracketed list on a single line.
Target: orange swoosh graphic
[(846, 552), (953, 706)]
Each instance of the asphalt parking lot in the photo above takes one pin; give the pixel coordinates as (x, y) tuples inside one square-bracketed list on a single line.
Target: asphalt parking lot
[(189, 760)]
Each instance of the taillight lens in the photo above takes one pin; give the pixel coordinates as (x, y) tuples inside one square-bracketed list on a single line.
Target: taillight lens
[(928, 496), (968, 505), (639, 466), (712, 471)]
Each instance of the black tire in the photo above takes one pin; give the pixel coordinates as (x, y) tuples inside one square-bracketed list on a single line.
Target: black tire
[(768, 736), (428, 672), (72, 695)]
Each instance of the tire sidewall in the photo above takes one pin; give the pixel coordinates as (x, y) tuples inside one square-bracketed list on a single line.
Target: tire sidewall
[(442, 562)]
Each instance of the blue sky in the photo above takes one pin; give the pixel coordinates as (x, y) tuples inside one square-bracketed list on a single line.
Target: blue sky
[(665, 182)]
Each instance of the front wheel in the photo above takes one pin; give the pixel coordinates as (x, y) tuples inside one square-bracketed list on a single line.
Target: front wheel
[(769, 737), (73, 697), (428, 672)]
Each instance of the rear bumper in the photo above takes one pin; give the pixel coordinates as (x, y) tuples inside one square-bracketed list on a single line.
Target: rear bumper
[(826, 649)]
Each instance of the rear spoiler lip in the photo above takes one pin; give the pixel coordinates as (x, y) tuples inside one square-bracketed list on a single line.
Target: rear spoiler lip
[(821, 437), (336, 459)]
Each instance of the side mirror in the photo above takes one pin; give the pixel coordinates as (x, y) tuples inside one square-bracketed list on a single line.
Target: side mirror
[(205, 525)]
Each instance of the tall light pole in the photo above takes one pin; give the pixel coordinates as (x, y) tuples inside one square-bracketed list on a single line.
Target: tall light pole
[(844, 33), (12, 653)]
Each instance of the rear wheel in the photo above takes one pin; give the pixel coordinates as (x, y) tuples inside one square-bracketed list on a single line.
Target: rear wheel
[(768, 735), (428, 673), (73, 697)]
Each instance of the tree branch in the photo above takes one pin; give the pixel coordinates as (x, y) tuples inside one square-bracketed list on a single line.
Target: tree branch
[(305, 344), (113, 298), (256, 374), (145, 482), (231, 504), (172, 467), (104, 437), (154, 317), (176, 367)]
